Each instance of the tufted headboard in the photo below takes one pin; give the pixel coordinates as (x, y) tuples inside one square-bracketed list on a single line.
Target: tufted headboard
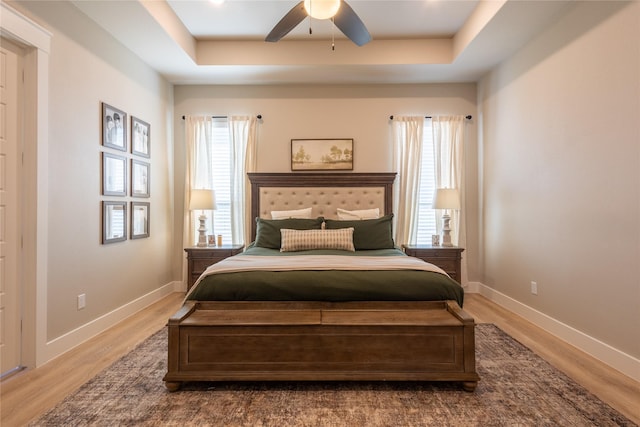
[(324, 192)]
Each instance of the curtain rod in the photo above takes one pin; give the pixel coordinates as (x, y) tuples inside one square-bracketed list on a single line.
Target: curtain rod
[(429, 117), (259, 116)]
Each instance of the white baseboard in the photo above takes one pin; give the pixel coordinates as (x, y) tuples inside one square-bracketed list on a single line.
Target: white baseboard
[(473, 287), (66, 342), (611, 356)]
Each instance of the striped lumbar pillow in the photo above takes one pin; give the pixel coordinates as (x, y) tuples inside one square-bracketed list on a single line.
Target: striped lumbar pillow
[(302, 240)]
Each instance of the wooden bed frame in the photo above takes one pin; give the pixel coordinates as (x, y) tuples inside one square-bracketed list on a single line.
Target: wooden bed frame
[(321, 341)]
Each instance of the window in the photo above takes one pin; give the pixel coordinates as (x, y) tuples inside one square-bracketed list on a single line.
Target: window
[(427, 215), (221, 171)]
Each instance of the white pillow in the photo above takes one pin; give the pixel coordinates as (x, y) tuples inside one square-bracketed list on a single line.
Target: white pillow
[(302, 240), (297, 213), (344, 214)]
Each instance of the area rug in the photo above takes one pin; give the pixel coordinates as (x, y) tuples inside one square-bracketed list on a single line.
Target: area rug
[(517, 388)]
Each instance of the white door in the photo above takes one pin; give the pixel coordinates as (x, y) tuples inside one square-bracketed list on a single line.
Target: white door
[(10, 235)]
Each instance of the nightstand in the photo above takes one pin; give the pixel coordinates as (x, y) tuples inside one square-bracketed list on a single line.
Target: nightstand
[(447, 258), (199, 258)]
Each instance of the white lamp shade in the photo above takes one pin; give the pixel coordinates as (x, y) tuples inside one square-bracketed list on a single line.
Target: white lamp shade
[(446, 198), (322, 9), (202, 200)]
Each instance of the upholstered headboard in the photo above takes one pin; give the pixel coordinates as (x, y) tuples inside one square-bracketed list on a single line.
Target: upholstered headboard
[(323, 192)]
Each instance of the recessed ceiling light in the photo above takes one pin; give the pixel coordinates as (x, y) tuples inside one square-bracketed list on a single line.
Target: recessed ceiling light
[(217, 2)]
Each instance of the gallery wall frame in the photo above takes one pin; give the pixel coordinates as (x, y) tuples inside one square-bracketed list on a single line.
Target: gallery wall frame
[(140, 137), (140, 212), (140, 178), (124, 174), (114, 222), (114, 175), (321, 154), (114, 127)]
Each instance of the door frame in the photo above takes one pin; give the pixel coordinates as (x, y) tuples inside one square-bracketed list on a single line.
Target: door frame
[(35, 130), (12, 216)]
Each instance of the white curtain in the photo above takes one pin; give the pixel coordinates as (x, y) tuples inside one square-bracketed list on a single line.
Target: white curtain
[(198, 135), (243, 132), (407, 150), (448, 140)]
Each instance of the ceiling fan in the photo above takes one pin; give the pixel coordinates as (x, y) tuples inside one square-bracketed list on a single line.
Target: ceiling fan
[(339, 11)]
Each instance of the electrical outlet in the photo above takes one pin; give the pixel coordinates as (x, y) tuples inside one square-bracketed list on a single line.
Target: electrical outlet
[(534, 288), (82, 301)]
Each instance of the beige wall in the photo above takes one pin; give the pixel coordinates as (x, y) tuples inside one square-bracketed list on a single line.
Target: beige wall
[(358, 112), (87, 67), (560, 155)]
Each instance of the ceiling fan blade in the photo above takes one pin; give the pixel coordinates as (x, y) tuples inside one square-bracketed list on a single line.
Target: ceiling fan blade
[(287, 23), (351, 25)]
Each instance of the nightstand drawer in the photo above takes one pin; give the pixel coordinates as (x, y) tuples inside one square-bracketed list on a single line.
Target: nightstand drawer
[(208, 253), (433, 254), (199, 258), (447, 258), (448, 265), (200, 265)]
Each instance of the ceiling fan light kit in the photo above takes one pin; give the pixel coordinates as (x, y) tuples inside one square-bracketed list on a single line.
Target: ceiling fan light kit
[(322, 9), (344, 18)]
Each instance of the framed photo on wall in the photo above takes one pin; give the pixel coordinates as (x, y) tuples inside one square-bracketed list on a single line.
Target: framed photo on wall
[(139, 178), (114, 124), (140, 137), (321, 154), (114, 222), (114, 175), (139, 220)]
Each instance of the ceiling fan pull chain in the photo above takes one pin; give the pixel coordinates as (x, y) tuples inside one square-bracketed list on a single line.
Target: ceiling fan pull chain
[(333, 34)]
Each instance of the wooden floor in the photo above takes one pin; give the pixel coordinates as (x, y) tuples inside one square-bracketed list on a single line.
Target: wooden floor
[(28, 394)]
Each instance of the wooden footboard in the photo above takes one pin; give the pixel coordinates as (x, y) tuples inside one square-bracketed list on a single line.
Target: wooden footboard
[(302, 341)]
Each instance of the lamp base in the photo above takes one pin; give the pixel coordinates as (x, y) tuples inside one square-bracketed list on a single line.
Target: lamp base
[(446, 238), (446, 230), (202, 230)]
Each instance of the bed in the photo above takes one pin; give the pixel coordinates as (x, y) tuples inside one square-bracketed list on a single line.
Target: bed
[(322, 297)]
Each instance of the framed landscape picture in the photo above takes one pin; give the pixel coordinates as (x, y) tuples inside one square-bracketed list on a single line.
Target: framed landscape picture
[(321, 154)]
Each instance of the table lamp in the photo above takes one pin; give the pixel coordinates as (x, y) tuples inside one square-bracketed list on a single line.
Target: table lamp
[(446, 199), (202, 200)]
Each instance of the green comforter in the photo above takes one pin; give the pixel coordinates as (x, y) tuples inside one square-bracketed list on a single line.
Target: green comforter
[(330, 285)]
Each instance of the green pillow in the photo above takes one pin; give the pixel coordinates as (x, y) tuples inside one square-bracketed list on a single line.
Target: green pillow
[(368, 233), (268, 230)]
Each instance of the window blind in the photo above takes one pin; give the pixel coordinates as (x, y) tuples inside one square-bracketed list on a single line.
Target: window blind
[(221, 169), (220, 158), (426, 214)]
